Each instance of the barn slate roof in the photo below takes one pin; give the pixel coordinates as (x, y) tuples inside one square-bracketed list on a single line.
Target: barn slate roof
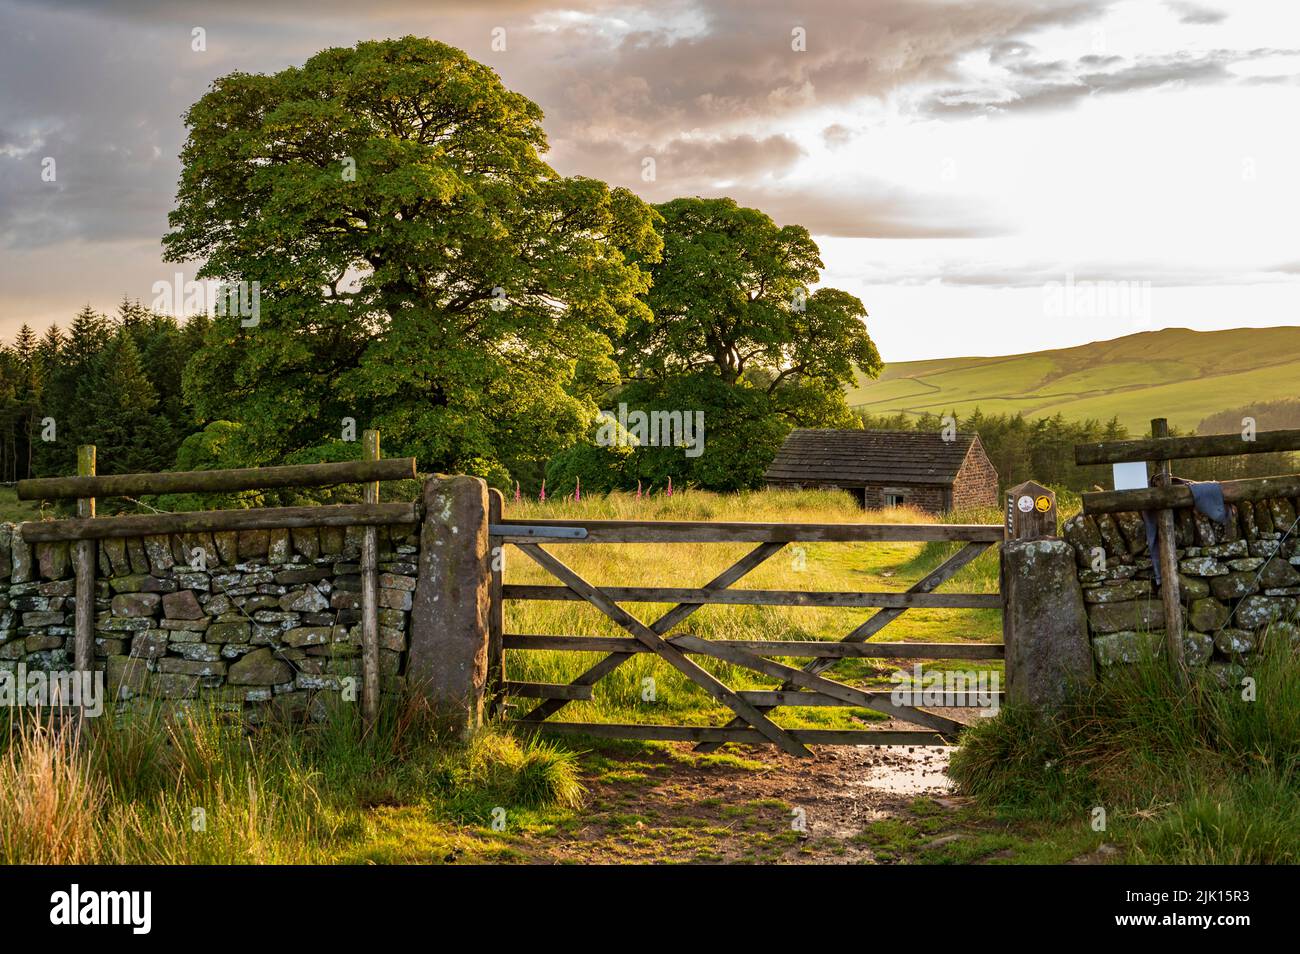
[(856, 458)]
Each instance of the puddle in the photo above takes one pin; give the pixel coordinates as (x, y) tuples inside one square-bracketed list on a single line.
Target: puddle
[(917, 772)]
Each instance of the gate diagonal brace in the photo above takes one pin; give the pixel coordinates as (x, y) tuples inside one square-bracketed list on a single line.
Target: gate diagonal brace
[(663, 624), (667, 652), (881, 619), (719, 649)]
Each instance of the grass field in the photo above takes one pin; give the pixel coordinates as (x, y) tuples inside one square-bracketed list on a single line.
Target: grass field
[(13, 510), (1175, 373)]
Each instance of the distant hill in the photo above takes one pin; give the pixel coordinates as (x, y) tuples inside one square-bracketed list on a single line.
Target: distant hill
[(1183, 375)]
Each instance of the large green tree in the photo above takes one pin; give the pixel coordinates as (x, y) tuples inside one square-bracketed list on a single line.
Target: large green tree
[(73, 393), (421, 268), (733, 330), (731, 295)]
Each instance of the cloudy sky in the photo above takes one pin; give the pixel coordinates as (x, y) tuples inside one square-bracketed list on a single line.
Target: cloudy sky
[(966, 167)]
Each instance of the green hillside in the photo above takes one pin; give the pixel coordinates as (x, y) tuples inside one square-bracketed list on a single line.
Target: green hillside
[(1175, 373)]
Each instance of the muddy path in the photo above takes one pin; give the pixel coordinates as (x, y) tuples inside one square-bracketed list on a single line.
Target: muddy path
[(665, 804), (848, 805)]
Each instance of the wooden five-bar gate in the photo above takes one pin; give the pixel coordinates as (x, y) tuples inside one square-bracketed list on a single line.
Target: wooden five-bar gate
[(800, 686)]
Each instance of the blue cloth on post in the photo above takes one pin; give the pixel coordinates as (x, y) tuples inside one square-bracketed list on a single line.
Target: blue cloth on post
[(1207, 497)]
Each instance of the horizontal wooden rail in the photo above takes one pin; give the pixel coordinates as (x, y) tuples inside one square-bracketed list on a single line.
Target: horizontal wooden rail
[(217, 481), (772, 698), (700, 531), (666, 594), (1185, 448), (201, 521), (705, 733), (802, 679), (534, 532), (769, 647), (546, 690), (1178, 495)]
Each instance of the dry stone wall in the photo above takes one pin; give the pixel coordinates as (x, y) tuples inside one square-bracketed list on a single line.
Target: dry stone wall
[(1239, 581), (242, 619)]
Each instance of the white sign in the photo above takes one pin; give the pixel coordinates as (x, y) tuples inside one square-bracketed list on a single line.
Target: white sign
[(1130, 476)]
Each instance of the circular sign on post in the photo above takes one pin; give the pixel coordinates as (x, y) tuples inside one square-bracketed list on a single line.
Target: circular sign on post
[(1043, 503), (1025, 503)]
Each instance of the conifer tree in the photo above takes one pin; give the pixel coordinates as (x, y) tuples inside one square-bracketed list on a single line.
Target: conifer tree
[(125, 428)]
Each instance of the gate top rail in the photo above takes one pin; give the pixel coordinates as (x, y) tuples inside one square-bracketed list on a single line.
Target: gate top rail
[(217, 481), (701, 531)]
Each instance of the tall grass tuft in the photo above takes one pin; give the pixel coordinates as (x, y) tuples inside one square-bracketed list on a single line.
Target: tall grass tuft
[(197, 786), (51, 804), (1218, 769), (1253, 821)]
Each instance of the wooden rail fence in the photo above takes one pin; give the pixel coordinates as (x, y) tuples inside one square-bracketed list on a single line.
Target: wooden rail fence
[(799, 686), (86, 528)]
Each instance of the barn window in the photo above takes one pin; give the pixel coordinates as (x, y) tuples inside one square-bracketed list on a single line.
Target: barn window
[(893, 500)]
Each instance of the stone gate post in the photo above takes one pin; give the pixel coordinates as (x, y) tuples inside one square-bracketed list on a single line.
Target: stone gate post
[(1044, 623), (448, 661)]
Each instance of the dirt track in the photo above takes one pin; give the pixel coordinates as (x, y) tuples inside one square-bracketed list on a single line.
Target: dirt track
[(669, 807)]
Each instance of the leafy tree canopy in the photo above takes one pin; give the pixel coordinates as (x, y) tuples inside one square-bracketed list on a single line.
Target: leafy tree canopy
[(731, 295), (421, 268), (732, 330)]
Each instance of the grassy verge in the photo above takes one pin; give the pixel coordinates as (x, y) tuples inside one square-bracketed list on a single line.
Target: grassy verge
[(198, 788), (1202, 775)]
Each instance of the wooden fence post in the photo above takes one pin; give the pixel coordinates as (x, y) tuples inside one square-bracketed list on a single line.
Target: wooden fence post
[(496, 606), (1167, 556), (84, 558), (370, 595)]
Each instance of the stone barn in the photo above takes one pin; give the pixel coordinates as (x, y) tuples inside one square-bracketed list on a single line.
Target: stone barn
[(889, 468)]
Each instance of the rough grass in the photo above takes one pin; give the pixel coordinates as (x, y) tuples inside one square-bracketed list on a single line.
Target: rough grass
[(1186, 776), (49, 802), (13, 510), (195, 787), (624, 695)]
